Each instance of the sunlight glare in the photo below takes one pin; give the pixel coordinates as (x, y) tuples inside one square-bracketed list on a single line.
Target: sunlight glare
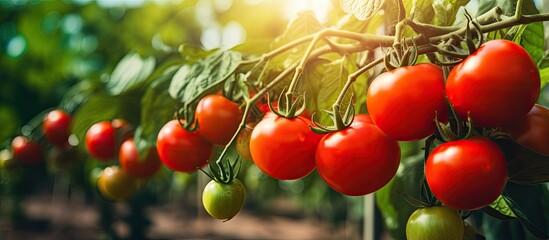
[(319, 7)]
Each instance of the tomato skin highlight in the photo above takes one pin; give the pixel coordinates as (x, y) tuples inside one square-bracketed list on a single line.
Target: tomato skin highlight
[(181, 150), (284, 148), (403, 102), (27, 151), (498, 84), (532, 131), (132, 163), (435, 223), (56, 127), (101, 141), (218, 118), (466, 174), (224, 200), (359, 159)]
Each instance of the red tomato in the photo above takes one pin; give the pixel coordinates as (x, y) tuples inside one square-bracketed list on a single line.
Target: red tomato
[(532, 131), (284, 148), (498, 84), (181, 150), (218, 118), (403, 102), (466, 174), (101, 141), (27, 151), (56, 127), (359, 159), (136, 166)]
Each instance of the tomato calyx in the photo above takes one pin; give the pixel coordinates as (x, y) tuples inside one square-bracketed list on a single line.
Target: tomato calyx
[(339, 122), (221, 173), (289, 105), (401, 55)]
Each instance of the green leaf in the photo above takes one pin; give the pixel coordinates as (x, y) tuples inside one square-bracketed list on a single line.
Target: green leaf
[(524, 166), (528, 203), (304, 24), (544, 76), (446, 10), (532, 38), (129, 73), (192, 54), (362, 9), (321, 80), (157, 108), (508, 6), (501, 206), (394, 208), (418, 10)]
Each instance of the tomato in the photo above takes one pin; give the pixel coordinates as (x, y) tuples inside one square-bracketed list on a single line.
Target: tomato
[(359, 159), (532, 131), (218, 118), (466, 174), (284, 148), (243, 141), (498, 84), (136, 166), (101, 141), (224, 200), (181, 150), (56, 127), (435, 223), (116, 184), (27, 151), (403, 102)]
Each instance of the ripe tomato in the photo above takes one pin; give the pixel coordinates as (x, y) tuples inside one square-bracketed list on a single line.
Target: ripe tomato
[(101, 141), (243, 141), (56, 127), (403, 102), (466, 174), (116, 184), (435, 223), (27, 151), (284, 148), (498, 84), (181, 150), (359, 159), (532, 131), (136, 166), (224, 200), (218, 118)]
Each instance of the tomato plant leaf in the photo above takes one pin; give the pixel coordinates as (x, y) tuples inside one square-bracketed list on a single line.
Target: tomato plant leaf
[(446, 10), (532, 38), (321, 82), (500, 209), (157, 108), (508, 6), (305, 23), (362, 9), (526, 202), (130, 72), (524, 166)]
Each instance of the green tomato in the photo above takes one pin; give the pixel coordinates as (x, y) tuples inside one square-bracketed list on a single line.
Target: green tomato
[(224, 200), (434, 223)]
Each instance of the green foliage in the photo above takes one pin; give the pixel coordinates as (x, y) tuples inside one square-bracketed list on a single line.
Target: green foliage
[(363, 10), (129, 73)]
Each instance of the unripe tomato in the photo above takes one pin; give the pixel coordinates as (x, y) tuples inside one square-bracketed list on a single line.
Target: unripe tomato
[(284, 148), (218, 118), (532, 131), (181, 150), (359, 159), (101, 141), (224, 200), (466, 174), (56, 127), (497, 84), (243, 141), (403, 102), (136, 166), (435, 223), (116, 184), (27, 151)]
